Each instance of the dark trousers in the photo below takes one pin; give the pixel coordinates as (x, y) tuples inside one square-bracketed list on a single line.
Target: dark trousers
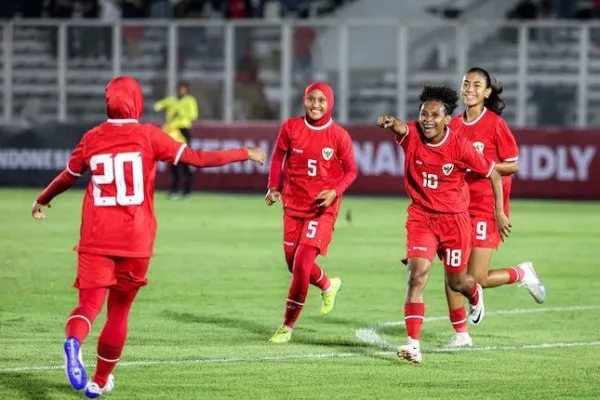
[(177, 169)]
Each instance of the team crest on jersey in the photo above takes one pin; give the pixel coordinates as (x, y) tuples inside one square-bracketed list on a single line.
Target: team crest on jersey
[(447, 169), (327, 153), (478, 146)]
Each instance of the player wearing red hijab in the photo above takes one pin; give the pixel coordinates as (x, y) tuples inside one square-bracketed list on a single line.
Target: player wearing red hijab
[(118, 225), (318, 166)]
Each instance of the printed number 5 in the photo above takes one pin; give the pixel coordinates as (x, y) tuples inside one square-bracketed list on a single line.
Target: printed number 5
[(481, 230), (312, 229), (312, 167)]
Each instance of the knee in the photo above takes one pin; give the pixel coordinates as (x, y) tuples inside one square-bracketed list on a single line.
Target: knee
[(457, 282), (418, 272)]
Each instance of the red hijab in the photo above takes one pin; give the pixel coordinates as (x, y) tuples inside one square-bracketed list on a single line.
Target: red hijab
[(328, 92)]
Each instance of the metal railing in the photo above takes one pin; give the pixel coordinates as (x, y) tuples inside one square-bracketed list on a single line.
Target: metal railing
[(375, 65)]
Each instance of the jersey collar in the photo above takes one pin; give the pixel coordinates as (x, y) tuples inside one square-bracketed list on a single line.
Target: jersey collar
[(476, 120), (446, 136), (122, 121), (318, 128)]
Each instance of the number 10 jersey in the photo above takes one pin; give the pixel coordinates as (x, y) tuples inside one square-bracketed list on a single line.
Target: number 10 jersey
[(118, 206)]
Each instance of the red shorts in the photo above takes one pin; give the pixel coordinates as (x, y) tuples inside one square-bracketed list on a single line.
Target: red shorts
[(123, 274), (447, 235), (485, 233), (316, 232)]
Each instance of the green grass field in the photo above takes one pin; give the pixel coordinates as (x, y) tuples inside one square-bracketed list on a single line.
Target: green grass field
[(217, 289)]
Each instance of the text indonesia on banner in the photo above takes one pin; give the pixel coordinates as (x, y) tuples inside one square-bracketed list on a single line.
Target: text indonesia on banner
[(554, 163)]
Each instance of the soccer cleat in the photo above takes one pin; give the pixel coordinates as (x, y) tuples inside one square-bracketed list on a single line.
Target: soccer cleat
[(328, 299), (74, 368), (93, 390), (460, 341), (532, 283), (477, 311), (410, 353), (283, 335)]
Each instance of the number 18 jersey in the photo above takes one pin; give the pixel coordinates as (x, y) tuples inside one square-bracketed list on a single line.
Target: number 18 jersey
[(118, 207), (434, 174)]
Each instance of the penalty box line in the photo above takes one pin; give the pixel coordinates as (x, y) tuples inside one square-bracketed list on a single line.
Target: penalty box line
[(326, 356)]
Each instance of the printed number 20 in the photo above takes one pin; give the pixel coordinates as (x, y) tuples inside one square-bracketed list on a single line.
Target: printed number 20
[(114, 173), (312, 167)]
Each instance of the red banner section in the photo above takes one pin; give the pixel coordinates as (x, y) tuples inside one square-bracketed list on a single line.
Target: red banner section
[(559, 163)]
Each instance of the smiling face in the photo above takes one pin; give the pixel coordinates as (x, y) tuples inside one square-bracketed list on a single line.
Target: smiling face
[(474, 89), (316, 105), (433, 120)]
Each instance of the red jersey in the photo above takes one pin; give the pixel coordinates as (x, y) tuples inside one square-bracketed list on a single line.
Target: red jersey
[(316, 158), (118, 205), (121, 154), (434, 174), (492, 137)]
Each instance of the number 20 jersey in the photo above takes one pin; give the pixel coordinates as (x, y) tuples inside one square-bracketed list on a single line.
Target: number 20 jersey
[(434, 174), (118, 207)]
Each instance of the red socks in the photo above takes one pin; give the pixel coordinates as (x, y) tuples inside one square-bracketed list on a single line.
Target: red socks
[(515, 274), (474, 295), (304, 260), (114, 333), (318, 277), (413, 319), (458, 317), (79, 323)]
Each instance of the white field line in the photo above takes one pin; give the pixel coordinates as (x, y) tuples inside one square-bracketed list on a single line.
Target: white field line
[(371, 336), (322, 356)]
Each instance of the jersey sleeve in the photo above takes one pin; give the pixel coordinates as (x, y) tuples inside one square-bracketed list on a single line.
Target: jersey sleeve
[(164, 147), (405, 140), (473, 160), (505, 142), (279, 152), (346, 155), (76, 165)]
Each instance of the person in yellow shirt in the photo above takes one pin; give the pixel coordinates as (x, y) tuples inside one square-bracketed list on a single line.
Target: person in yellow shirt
[(180, 111)]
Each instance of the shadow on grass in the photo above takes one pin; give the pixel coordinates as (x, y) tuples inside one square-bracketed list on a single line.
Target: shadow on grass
[(32, 386)]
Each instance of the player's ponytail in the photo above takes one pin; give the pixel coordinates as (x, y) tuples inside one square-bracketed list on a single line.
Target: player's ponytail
[(493, 103)]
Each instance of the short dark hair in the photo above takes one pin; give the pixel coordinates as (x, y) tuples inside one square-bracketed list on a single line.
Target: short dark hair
[(444, 94), (184, 84), (494, 102)]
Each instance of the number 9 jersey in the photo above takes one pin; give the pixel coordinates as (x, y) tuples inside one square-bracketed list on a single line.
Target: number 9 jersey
[(118, 206)]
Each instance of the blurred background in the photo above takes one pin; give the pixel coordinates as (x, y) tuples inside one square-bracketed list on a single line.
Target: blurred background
[(249, 60)]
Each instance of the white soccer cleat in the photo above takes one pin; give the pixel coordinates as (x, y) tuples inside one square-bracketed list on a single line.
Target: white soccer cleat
[(410, 353), (460, 341), (532, 282), (93, 390), (477, 311)]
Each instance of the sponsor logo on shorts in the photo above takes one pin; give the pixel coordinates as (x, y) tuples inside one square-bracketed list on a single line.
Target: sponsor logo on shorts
[(447, 169), (419, 248), (297, 150), (327, 153), (288, 243)]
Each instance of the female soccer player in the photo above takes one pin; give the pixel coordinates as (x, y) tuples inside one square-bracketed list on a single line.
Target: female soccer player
[(482, 125), (436, 163), (318, 166)]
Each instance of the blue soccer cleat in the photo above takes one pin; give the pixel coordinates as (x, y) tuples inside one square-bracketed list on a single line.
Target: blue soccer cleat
[(74, 368)]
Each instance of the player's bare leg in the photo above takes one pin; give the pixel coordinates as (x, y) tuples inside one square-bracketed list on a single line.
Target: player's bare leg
[(465, 284), (111, 341), (78, 327), (414, 309)]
